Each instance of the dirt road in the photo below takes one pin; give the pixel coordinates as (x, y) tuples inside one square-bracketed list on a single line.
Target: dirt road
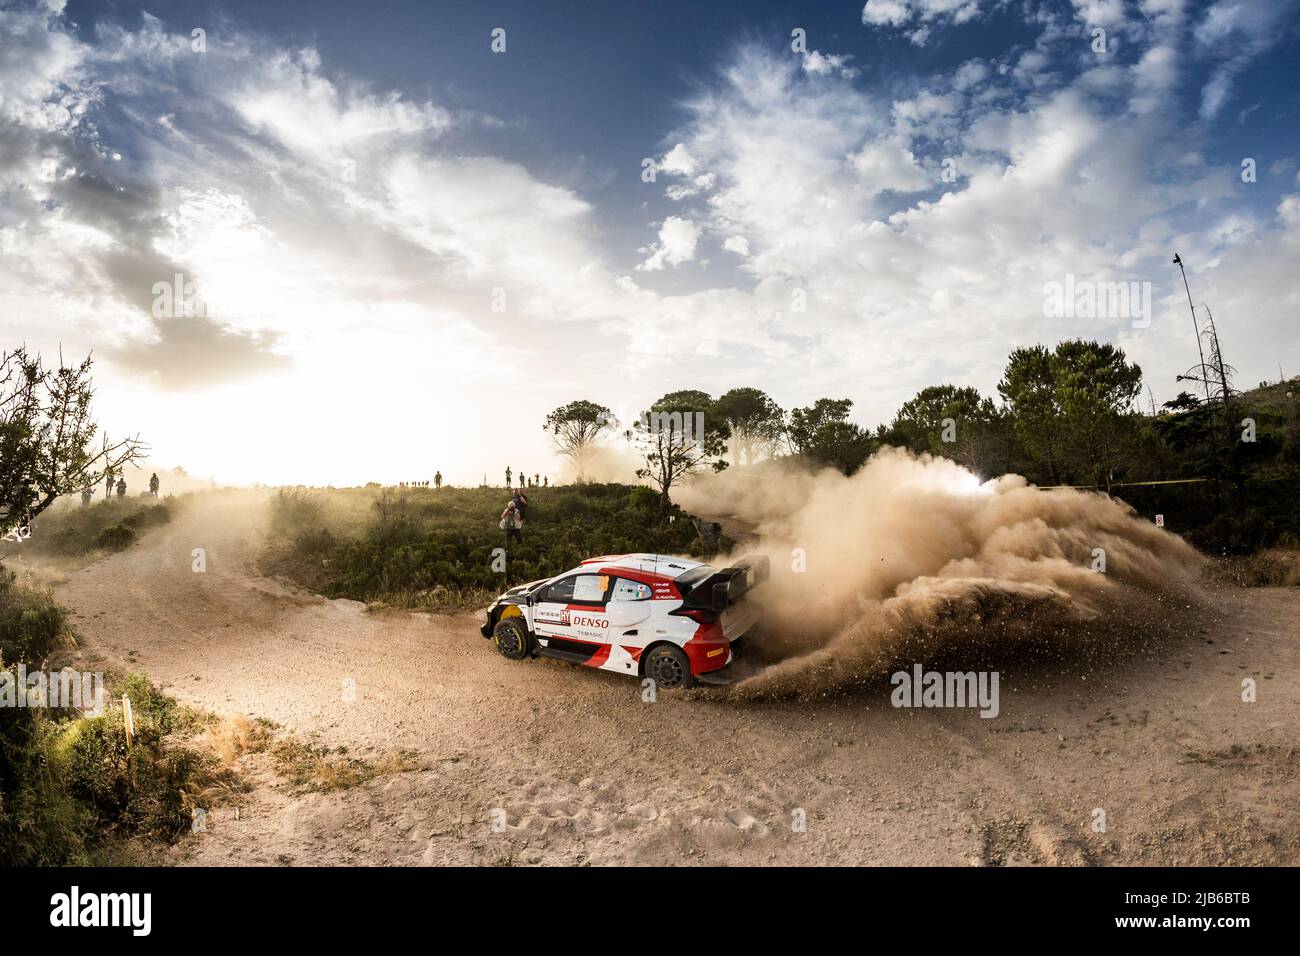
[(586, 772)]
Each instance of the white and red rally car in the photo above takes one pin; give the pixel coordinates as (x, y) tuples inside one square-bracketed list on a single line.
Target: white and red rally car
[(648, 615)]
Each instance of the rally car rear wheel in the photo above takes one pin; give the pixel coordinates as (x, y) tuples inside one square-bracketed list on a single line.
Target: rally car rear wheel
[(511, 638), (669, 667)]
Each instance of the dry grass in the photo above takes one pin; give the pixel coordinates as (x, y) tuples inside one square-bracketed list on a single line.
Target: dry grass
[(1274, 568), (439, 599), (315, 767), (231, 737)]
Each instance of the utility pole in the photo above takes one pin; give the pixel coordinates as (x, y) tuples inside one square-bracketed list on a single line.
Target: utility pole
[(1205, 378)]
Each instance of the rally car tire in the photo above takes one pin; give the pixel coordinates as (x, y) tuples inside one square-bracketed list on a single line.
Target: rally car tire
[(511, 638), (669, 667)]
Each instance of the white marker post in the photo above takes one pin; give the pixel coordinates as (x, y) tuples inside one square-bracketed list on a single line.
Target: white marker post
[(128, 720)]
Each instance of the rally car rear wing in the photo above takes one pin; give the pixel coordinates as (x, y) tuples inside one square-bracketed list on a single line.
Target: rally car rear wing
[(724, 588)]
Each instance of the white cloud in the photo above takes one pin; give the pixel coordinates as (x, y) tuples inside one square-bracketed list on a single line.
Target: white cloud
[(292, 100), (891, 13), (1234, 33), (888, 165), (677, 161), (1154, 79), (828, 64), (919, 16), (35, 59), (970, 74), (1100, 13), (678, 238), (927, 114)]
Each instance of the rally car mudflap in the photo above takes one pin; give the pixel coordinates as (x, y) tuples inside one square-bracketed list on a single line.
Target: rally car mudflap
[(736, 670), (721, 677)]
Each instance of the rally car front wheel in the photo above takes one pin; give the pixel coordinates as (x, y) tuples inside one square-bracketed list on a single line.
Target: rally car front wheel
[(511, 638), (668, 666)]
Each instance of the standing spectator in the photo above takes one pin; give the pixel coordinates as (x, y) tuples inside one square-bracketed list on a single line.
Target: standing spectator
[(121, 487), (153, 485), (87, 493), (437, 479), (509, 473), (513, 523)]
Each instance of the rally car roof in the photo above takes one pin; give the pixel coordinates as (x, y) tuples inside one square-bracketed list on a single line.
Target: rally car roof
[(665, 565)]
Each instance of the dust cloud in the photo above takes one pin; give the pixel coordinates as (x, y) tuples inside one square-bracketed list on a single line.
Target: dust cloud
[(615, 463), (914, 558)]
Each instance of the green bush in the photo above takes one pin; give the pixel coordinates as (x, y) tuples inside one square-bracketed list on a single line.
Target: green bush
[(115, 538), (41, 822), (138, 789), (30, 622), (147, 517), (68, 782), (70, 785)]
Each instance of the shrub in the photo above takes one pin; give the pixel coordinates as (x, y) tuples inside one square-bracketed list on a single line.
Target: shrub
[(41, 823), (71, 788), (147, 517), (115, 538), (31, 624), (294, 510)]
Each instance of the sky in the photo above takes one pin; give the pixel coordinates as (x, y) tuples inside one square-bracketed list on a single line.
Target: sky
[(398, 248)]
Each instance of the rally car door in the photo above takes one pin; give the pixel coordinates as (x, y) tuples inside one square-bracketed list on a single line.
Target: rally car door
[(627, 609), (574, 596), (551, 608), (628, 613), (588, 620)]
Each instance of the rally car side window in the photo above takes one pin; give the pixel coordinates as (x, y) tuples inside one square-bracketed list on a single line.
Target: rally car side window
[(559, 592), (590, 588), (577, 589), (625, 590)]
